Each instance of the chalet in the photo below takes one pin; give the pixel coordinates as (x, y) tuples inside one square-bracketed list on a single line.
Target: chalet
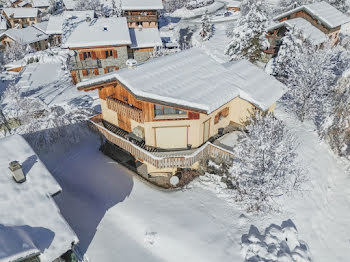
[(42, 5), (21, 17), (234, 6), (31, 36), (100, 46), (319, 22), (167, 112), (55, 23), (31, 225), (103, 45), (142, 13)]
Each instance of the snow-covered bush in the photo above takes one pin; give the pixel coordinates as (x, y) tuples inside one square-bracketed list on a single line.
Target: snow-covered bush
[(198, 3), (248, 37), (15, 51), (172, 5), (277, 243), (286, 5), (85, 5), (336, 124), (206, 30), (265, 164), (162, 51)]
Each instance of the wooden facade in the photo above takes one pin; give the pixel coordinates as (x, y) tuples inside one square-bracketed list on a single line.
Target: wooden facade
[(144, 18)]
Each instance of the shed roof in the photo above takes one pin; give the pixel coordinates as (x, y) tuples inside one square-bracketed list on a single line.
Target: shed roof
[(324, 12), (142, 5), (193, 79), (145, 37), (26, 35), (100, 32), (32, 217), (309, 31), (21, 12)]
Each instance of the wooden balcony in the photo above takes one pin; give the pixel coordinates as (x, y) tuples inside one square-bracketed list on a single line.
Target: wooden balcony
[(144, 18), (84, 64), (125, 109), (175, 159)]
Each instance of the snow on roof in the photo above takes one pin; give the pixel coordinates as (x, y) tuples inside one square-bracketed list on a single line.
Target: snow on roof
[(327, 14), (56, 22), (23, 3), (30, 210), (41, 3), (193, 79), (3, 23), (41, 26), (142, 5), (21, 12), (100, 32), (145, 37), (26, 35), (309, 31), (69, 4), (234, 4)]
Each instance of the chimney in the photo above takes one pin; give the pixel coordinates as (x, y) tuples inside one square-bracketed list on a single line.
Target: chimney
[(88, 18), (131, 63), (17, 172), (105, 28)]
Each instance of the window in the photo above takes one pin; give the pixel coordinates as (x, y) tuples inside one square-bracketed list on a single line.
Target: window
[(109, 53), (87, 55), (222, 114), (164, 110)]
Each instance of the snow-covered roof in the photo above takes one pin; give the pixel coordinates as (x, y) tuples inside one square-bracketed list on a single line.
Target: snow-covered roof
[(69, 4), (29, 213), (234, 4), (3, 23), (56, 22), (324, 12), (145, 37), (26, 35), (193, 79), (41, 3), (309, 31), (41, 26), (24, 3), (21, 12), (100, 32), (142, 5)]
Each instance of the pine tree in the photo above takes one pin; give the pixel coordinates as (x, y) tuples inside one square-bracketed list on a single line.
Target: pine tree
[(248, 37), (206, 30), (266, 163)]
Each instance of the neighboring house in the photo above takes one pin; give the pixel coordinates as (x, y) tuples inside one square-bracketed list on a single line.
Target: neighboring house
[(103, 45), (166, 112), (100, 46), (21, 17), (234, 6), (319, 22), (143, 42), (31, 36), (55, 23), (31, 225), (142, 13), (42, 5)]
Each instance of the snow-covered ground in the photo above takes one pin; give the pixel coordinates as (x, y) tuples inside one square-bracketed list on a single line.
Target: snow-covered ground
[(118, 217)]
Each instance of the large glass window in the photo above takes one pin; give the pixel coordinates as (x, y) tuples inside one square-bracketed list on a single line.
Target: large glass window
[(164, 110)]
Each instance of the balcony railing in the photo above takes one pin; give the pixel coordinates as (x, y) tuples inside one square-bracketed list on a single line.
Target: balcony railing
[(84, 64), (144, 18), (125, 109), (176, 160)]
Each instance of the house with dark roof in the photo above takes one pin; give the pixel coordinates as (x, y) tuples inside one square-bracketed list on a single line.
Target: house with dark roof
[(319, 22), (168, 112)]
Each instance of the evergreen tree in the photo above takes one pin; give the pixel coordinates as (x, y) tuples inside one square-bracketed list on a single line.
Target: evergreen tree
[(248, 37), (206, 30)]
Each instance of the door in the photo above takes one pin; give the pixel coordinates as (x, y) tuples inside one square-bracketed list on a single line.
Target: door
[(171, 137), (124, 123), (206, 130)]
